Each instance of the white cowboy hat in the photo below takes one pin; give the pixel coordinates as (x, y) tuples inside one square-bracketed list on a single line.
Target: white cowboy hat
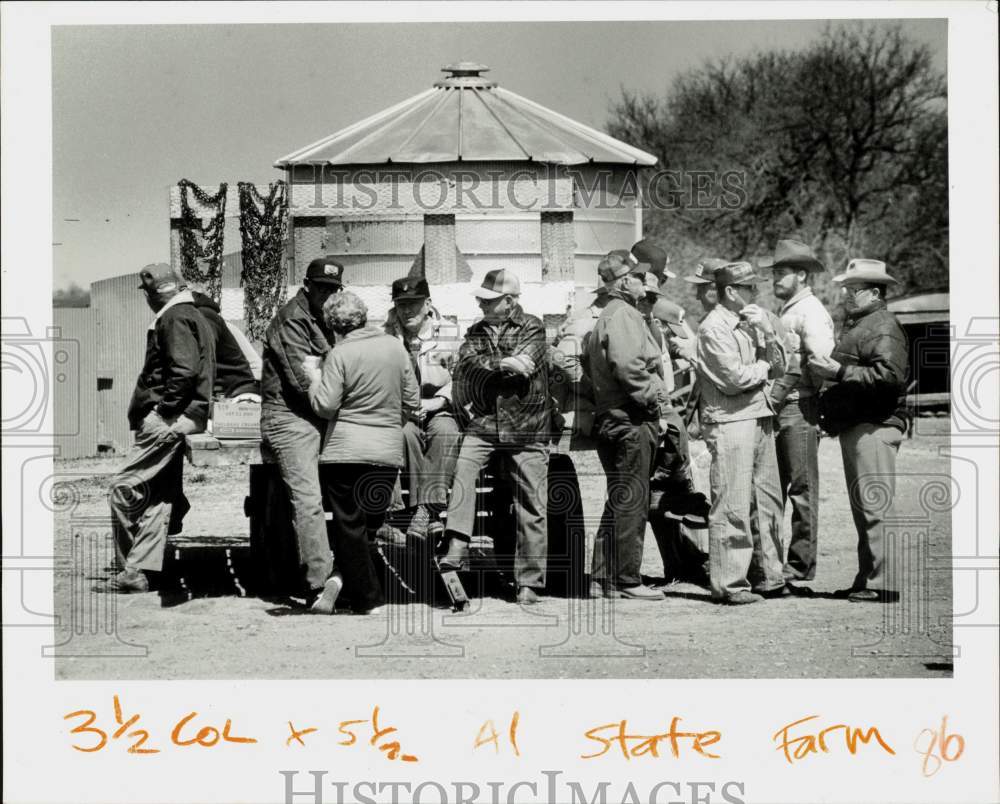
[(861, 270)]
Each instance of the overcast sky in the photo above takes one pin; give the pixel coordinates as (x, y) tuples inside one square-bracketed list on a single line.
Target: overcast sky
[(137, 108)]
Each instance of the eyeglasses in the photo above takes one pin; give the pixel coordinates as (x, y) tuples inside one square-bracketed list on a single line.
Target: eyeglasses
[(854, 290)]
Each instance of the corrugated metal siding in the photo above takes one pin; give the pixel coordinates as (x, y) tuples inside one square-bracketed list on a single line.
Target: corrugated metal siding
[(75, 396), (122, 318)]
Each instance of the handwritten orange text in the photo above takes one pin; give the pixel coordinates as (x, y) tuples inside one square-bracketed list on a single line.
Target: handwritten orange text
[(392, 748), (206, 736), (612, 735), (488, 734), (937, 747), (799, 747)]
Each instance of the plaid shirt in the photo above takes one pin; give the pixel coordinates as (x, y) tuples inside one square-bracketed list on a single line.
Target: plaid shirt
[(734, 368)]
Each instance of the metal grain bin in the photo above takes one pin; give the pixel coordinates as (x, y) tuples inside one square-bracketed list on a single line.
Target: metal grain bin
[(465, 163)]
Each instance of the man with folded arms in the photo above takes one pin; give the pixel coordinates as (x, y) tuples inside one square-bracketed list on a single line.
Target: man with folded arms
[(626, 370), (809, 332), (865, 404), (500, 390), (738, 350)]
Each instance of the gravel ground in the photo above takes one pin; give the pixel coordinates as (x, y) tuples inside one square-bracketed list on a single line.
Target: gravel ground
[(161, 636)]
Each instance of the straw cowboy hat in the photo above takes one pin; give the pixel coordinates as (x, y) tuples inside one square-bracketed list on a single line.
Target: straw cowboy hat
[(862, 270), (792, 254)]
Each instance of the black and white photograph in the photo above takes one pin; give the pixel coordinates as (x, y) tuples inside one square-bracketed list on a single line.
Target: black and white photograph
[(479, 356), (483, 402)]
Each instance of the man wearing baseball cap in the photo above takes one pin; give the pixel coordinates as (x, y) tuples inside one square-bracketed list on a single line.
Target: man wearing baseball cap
[(738, 352), (500, 391), (809, 331), (865, 404), (646, 251), (291, 433), (431, 441), (630, 400), (170, 401)]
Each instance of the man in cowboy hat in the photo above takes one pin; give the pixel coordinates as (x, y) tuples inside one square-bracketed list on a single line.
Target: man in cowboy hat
[(431, 441), (809, 331), (500, 391), (630, 399), (738, 352), (170, 401), (291, 433), (865, 404)]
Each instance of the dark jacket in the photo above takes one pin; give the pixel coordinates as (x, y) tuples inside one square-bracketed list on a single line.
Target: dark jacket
[(232, 371), (292, 335), (496, 404), (179, 368), (871, 384)]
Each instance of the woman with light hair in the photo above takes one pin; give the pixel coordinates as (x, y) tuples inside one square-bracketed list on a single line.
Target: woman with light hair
[(366, 388)]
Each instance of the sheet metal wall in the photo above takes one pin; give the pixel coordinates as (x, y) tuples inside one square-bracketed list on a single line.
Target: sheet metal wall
[(75, 394)]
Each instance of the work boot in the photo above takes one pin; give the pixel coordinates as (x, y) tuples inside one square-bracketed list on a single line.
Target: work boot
[(457, 557), (127, 582), (741, 599), (418, 524), (638, 592)]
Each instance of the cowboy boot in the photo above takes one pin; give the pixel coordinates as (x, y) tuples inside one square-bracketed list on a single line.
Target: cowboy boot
[(457, 557)]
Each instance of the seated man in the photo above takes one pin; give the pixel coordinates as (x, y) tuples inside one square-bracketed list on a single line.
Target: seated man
[(432, 439), (501, 392)]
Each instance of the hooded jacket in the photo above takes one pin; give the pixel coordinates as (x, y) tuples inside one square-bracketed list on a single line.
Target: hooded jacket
[(233, 375), (871, 385), (496, 404), (178, 372)]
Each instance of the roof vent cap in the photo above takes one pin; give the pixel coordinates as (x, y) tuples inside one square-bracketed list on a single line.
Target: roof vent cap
[(466, 74)]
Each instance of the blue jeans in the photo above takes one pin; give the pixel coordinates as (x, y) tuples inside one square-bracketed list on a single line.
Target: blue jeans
[(797, 445), (294, 443), (527, 468), (431, 452)]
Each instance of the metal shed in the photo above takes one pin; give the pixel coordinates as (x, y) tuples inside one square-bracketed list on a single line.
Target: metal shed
[(470, 164), (925, 318)]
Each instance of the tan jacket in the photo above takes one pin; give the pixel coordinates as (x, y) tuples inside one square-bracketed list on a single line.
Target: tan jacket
[(734, 368)]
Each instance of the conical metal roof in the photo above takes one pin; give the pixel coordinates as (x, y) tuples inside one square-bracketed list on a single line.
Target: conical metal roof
[(466, 117)]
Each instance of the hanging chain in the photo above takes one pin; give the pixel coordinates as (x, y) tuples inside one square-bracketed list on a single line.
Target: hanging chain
[(203, 244), (263, 229)]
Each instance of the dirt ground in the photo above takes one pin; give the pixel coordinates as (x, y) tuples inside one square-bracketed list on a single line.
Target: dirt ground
[(160, 636)]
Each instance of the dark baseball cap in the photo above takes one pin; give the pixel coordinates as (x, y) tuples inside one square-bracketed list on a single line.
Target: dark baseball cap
[(325, 269), (410, 288)]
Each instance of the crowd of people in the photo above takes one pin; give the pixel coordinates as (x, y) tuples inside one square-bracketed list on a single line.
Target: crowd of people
[(351, 412)]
